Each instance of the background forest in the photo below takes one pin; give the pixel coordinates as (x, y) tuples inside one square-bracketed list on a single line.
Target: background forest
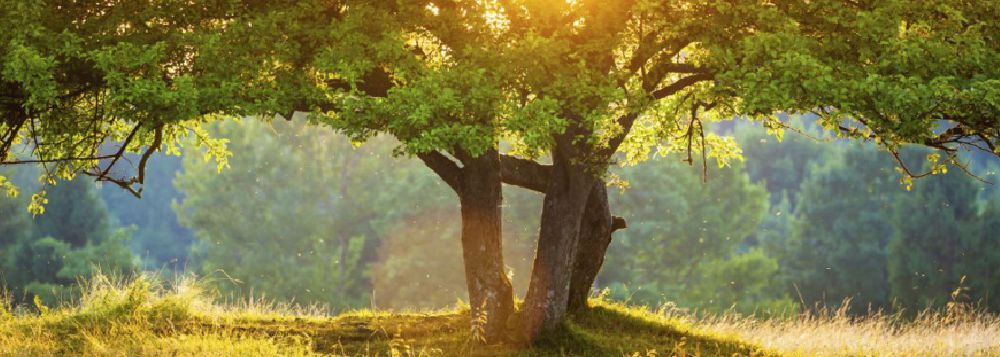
[(303, 215)]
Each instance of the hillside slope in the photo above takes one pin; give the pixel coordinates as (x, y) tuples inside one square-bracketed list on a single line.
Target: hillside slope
[(141, 317)]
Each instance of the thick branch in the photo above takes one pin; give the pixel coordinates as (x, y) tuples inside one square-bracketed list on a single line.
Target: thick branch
[(524, 173), (443, 167), (61, 159), (680, 84)]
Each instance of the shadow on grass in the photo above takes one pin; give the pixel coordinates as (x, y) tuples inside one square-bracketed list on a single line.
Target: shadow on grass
[(606, 329), (609, 329)]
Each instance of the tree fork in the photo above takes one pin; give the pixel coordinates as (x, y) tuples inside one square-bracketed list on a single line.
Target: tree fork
[(568, 189), (596, 226)]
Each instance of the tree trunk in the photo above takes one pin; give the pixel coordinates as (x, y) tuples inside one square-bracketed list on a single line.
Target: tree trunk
[(595, 235), (596, 227), (491, 297), (562, 211)]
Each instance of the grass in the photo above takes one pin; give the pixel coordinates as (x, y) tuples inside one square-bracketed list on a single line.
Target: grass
[(960, 331), (115, 317)]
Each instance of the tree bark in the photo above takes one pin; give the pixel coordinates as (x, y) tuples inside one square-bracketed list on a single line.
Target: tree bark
[(596, 227), (595, 236), (491, 297), (478, 185), (566, 196)]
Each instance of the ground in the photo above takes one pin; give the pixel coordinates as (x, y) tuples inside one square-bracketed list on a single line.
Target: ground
[(604, 330), (144, 318)]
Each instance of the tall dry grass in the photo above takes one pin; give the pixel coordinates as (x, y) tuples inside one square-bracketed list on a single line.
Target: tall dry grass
[(959, 330), (143, 316)]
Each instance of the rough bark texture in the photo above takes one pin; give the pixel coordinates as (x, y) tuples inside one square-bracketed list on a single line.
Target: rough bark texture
[(596, 226), (478, 185), (491, 297), (562, 210), (595, 235)]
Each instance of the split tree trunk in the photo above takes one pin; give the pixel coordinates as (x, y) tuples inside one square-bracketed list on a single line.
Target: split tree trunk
[(596, 226), (478, 185), (547, 300)]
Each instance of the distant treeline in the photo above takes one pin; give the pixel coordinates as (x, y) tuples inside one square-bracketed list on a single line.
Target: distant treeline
[(301, 214)]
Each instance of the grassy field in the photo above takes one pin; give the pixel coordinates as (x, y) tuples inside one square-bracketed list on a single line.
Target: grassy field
[(141, 317)]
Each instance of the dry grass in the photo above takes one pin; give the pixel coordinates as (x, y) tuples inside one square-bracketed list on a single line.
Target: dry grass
[(144, 317), (955, 332)]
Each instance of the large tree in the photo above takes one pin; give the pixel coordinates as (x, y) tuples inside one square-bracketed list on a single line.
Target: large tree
[(594, 76), (575, 81)]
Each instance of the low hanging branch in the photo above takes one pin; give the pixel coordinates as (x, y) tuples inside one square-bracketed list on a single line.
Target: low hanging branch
[(140, 175)]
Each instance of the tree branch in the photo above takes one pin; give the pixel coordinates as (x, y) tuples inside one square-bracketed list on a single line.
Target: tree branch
[(155, 146), (680, 84), (121, 151), (618, 223), (443, 167), (524, 173)]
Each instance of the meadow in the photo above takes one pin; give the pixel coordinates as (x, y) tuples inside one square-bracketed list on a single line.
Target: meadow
[(146, 316)]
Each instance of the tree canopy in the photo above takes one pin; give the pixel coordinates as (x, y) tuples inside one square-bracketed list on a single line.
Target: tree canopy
[(441, 74)]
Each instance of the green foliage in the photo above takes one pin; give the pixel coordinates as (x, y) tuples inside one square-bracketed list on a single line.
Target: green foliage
[(842, 238), (943, 234), (15, 225), (744, 282), (158, 238), (782, 165), (356, 220), (45, 257), (682, 244), (301, 213), (76, 213), (837, 247)]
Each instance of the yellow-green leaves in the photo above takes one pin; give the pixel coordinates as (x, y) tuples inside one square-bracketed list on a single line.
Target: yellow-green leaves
[(8, 187), (34, 72), (905, 179), (213, 147), (38, 202), (937, 167)]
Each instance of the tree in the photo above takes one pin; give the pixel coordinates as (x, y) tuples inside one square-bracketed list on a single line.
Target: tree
[(45, 257), (15, 228), (159, 239), (573, 80), (744, 282), (77, 214), (678, 235), (311, 241), (78, 76), (942, 235), (782, 165), (318, 240), (837, 248)]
